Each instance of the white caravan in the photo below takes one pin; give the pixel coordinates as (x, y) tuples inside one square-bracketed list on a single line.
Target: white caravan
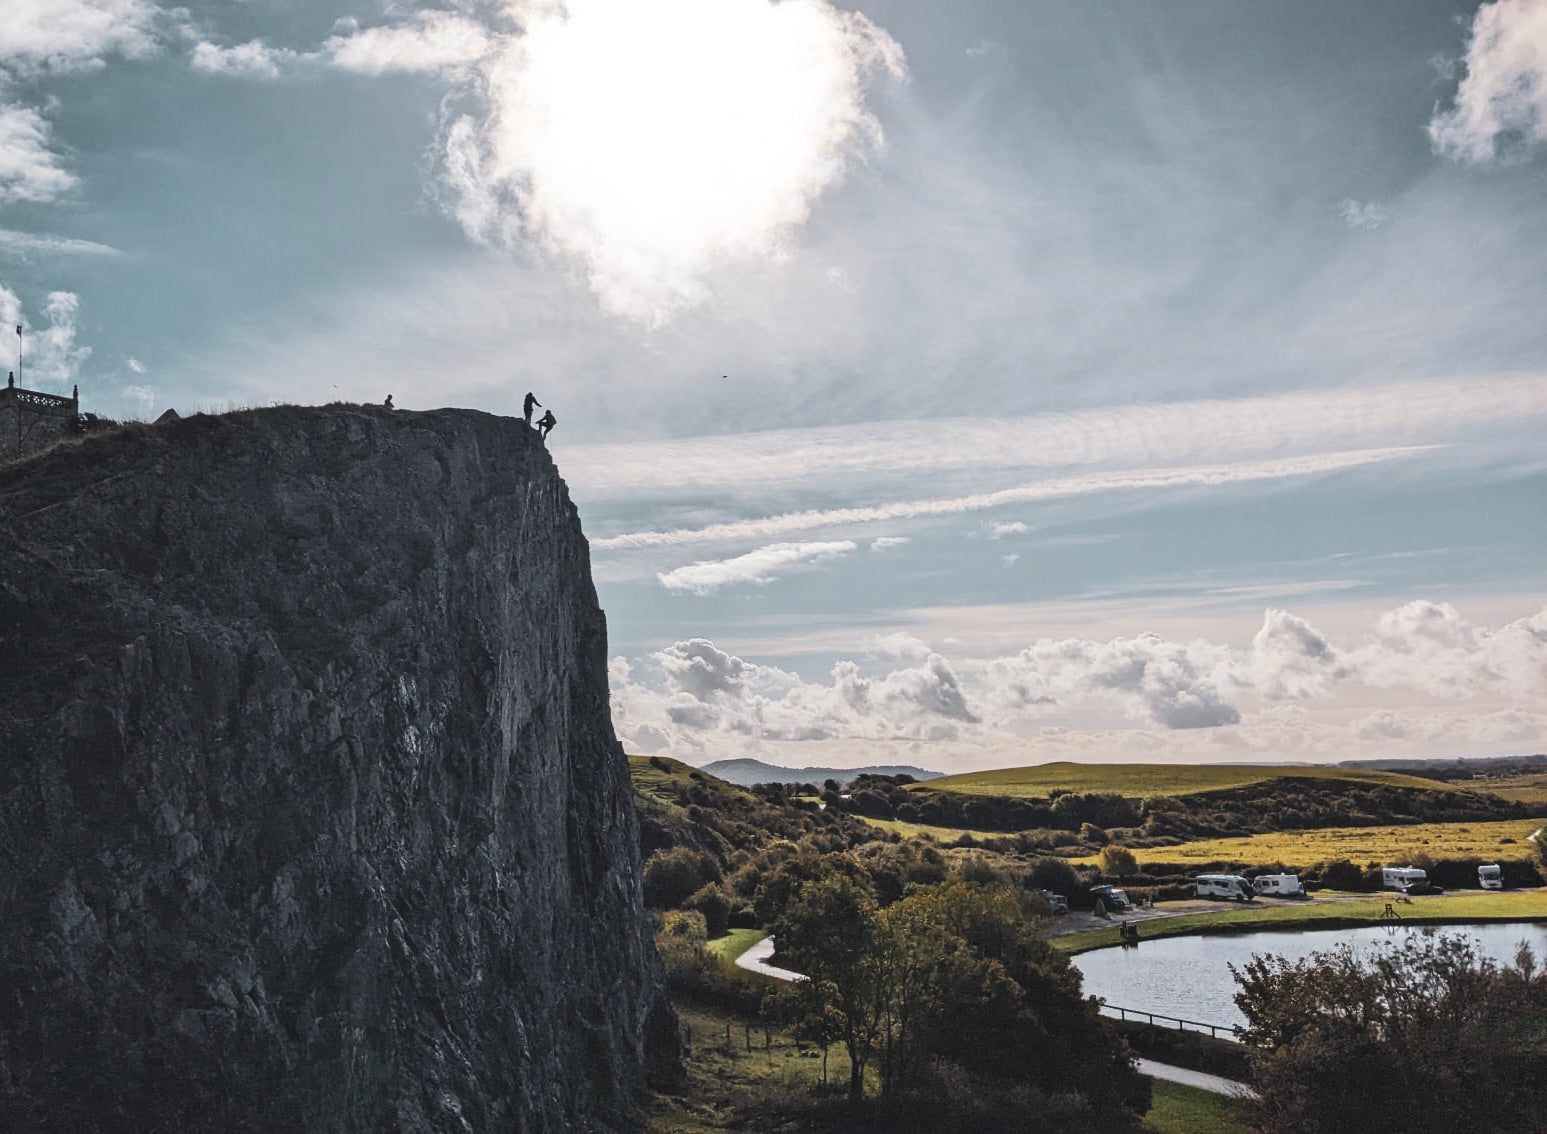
[(1279, 885), (1408, 879), (1231, 886), (1490, 877)]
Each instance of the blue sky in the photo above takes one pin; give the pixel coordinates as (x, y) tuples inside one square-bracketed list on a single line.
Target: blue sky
[(962, 385)]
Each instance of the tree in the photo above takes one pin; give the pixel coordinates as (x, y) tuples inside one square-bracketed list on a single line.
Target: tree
[(830, 934), (1436, 1039), (1118, 862)]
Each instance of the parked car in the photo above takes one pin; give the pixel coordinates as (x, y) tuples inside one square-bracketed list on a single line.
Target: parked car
[(1112, 897), (1056, 903)]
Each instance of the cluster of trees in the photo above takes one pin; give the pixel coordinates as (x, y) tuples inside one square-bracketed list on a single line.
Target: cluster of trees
[(1424, 1037), (967, 1017)]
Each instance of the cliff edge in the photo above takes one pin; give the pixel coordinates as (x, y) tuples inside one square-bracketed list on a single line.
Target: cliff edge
[(311, 812)]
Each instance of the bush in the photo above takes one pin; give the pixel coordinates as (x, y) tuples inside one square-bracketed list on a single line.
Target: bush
[(714, 904), (671, 876)]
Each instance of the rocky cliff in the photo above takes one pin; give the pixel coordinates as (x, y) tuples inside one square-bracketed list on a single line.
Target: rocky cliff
[(311, 813)]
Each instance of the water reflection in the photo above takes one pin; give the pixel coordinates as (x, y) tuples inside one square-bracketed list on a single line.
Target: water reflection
[(1188, 977)]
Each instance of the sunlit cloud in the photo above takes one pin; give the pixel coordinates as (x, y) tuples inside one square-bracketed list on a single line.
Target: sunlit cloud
[(428, 42), (1284, 693), (651, 143), (1501, 103), (760, 566), (51, 355)]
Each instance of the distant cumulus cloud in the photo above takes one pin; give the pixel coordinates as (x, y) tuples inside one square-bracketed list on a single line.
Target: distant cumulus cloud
[(886, 543), (692, 695), (1357, 215), (135, 365), (1501, 103), (651, 143), (430, 41), (1013, 527), (760, 566), (64, 35), (251, 60)]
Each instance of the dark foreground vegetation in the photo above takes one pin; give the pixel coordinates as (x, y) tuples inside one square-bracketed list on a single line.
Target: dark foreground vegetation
[(1425, 1038)]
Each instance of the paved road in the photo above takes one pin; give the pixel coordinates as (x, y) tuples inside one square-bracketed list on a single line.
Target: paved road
[(1212, 1083), (755, 960)]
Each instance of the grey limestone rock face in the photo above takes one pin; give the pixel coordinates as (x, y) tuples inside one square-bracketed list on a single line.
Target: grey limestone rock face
[(311, 813)]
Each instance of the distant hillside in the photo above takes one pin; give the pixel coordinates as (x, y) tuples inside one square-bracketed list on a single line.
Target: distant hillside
[(749, 772), (1143, 781)]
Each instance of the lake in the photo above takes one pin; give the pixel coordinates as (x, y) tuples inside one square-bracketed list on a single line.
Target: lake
[(1188, 977)]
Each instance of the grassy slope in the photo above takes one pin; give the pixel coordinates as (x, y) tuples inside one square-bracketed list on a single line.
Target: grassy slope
[(1522, 905), (1141, 781), (1176, 1109), (734, 942)]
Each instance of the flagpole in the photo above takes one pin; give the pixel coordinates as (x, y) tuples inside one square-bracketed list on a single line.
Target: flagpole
[(18, 354)]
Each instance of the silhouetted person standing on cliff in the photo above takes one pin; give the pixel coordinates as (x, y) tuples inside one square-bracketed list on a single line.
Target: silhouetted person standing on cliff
[(527, 406), (546, 423)]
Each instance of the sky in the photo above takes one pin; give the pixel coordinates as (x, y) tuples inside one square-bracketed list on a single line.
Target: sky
[(966, 386)]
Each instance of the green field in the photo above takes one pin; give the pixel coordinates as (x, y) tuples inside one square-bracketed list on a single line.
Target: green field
[(734, 942), (1327, 909), (1360, 845), (1175, 1109), (1142, 781)]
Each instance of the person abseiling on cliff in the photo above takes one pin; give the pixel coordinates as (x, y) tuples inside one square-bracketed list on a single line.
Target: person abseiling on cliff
[(546, 423), (527, 406)]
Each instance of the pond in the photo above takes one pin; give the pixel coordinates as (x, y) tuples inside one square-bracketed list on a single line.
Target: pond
[(1189, 978)]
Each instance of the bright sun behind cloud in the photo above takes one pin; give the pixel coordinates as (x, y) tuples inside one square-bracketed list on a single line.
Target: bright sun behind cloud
[(652, 142)]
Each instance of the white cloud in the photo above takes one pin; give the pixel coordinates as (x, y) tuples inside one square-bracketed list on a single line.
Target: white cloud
[(73, 34), (886, 543), (50, 354), (760, 566), (251, 60), (1053, 488), (23, 244), (1067, 697), (29, 168), (1501, 103), (1013, 527), (652, 144), (970, 449), (135, 365), (1010, 560), (142, 396), (430, 42), (1355, 215)]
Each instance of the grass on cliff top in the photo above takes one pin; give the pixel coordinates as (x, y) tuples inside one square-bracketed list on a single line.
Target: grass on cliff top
[(1327, 909), (658, 776), (1142, 781), (1387, 845)]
